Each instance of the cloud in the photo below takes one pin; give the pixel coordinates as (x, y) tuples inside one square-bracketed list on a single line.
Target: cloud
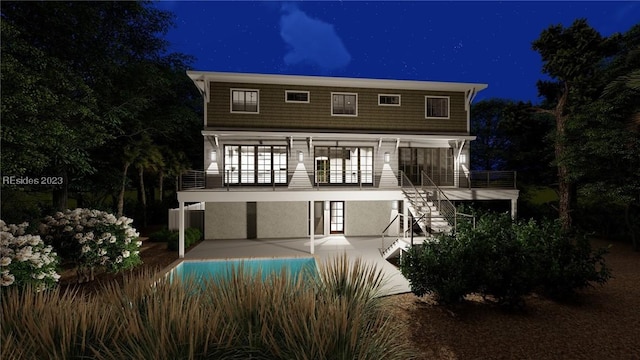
[(311, 41)]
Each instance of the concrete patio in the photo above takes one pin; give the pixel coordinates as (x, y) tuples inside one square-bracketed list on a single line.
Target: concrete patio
[(366, 248)]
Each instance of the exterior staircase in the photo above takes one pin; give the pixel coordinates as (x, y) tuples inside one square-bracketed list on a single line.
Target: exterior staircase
[(431, 211)]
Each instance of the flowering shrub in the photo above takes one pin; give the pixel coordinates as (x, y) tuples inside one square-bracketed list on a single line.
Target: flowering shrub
[(25, 259), (93, 239)]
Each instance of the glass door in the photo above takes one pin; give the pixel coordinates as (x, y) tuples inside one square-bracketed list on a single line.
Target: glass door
[(337, 217)]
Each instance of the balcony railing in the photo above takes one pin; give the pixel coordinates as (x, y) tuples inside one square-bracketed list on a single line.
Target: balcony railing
[(194, 179), (473, 179)]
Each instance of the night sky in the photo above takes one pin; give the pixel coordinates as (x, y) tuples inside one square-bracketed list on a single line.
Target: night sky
[(485, 42)]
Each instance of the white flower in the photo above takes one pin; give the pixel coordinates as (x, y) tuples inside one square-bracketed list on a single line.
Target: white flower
[(79, 228), (5, 261), (125, 254), (78, 236), (138, 243), (24, 254), (34, 240), (118, 259), (7, 279), (67, 228), (38, 276), (113, 239), (86, 249)]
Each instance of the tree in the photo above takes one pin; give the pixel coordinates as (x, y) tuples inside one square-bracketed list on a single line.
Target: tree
[(84, 84), (572, 57), (608, 161), (66, 67), (509, 137)]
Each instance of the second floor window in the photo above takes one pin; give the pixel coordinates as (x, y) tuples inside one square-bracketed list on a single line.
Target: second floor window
[(345, 104), (296, 96), (437, 107), (255, 164), (389, 100), (243, 100)]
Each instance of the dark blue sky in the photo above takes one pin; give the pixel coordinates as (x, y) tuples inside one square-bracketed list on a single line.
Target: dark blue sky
[(486, 42)]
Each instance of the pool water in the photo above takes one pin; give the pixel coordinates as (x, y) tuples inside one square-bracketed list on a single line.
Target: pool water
[(223, 268)]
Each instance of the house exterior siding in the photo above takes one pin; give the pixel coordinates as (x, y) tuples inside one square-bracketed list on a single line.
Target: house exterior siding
[(276, 114), (281, 219)]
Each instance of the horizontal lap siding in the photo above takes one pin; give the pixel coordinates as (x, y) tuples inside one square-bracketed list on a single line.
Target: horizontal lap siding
[(275, 113)]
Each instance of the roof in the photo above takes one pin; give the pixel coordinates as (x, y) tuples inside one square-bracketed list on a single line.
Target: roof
[(201, 77)]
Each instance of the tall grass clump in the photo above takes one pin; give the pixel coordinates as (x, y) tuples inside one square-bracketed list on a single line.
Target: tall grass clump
[(54, 324), (334, 314)]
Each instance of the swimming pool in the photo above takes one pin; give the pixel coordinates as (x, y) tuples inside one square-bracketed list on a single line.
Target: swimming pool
[(208, 269)]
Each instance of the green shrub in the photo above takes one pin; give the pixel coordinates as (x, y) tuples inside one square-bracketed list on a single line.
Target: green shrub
[(566, 264), (163, 235), (191, 236), (504, 260), (438, 268)]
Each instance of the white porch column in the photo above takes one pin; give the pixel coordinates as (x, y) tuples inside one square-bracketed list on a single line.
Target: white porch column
[(312, 229), (514, 209), (405, 219), (181, 231)]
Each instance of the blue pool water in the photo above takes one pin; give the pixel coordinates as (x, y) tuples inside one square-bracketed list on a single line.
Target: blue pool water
[(222, 268)]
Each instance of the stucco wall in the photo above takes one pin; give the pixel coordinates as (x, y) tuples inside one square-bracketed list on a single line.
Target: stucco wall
[(282, 219), (367, 218), (225, 221)]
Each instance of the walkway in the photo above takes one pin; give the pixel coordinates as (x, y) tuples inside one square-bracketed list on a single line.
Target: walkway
[(366, 248)]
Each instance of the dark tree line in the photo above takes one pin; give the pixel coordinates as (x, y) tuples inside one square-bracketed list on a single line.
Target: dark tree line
[(584, 137), (91, 95)]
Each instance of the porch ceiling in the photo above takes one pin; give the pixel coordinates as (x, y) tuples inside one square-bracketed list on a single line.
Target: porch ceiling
[(433, 140)]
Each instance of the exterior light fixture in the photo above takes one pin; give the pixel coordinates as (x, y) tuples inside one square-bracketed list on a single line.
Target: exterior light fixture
[(394, 205), (300, 156), (213, 156), (462, 158), (387, 157)]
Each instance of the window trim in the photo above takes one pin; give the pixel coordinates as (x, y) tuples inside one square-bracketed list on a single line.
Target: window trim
[(257, 91), (344, 93), (286, 99), (437, 97), (395, 95)]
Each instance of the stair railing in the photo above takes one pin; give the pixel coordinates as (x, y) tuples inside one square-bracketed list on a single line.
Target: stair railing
[(442, 202)]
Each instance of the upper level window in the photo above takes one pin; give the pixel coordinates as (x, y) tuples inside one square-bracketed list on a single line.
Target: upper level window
[(244, 100), (388, 100), (296, 96), (437, 107), (345, 104)]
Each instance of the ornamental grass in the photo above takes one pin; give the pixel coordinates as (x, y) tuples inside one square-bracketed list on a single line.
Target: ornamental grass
[(333, 315)]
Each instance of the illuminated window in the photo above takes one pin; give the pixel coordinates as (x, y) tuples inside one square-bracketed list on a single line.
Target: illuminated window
[(255, 164)]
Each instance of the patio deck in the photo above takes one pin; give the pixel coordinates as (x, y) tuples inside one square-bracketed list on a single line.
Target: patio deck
[(366, 248)]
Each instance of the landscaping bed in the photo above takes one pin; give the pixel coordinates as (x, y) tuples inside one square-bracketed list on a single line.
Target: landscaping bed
[(602, 323)]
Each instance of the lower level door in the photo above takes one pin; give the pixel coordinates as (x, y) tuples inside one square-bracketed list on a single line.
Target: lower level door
[(337, 217)]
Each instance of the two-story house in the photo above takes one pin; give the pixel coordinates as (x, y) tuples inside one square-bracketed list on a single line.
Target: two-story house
[(304, 156)]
